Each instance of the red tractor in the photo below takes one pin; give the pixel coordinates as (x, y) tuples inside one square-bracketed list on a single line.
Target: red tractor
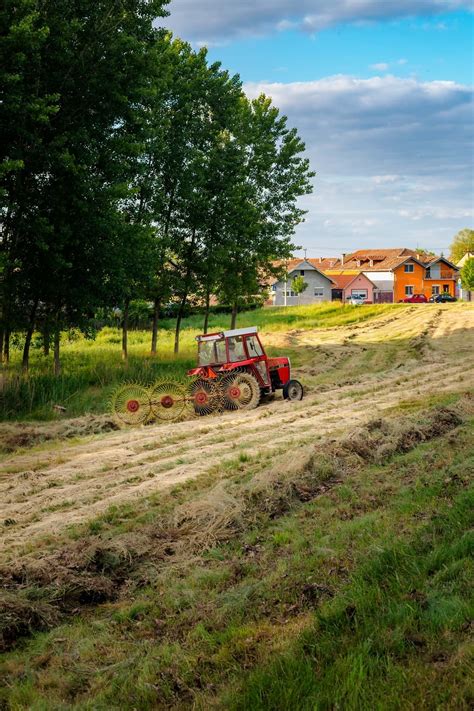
[(235, 363), (233, 373)]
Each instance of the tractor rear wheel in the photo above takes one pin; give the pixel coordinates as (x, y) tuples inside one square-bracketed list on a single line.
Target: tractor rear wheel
[(240, 391), (293, 390)]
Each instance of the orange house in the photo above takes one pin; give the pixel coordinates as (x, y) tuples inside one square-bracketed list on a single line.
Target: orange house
[(437, 276)]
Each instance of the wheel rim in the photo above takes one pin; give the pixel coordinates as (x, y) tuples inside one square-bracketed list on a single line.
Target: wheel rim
[(168, 400), (131, 405), (295, 391)]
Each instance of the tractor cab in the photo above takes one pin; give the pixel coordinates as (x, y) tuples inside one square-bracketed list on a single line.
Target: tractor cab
[(229, 347), (224, 352)]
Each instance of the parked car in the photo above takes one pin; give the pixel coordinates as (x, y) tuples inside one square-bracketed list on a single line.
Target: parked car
[(442, 298), (415, 299), (356, 300)]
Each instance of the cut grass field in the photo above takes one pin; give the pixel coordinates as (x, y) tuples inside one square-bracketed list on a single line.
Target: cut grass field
[(92, 368), (311, 555)]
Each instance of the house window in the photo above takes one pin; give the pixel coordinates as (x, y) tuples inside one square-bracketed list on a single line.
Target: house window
[(435, 290), (446, 288), (301, 272), (274, 288), (428, 273), (409, 268), (361, 293), (409, 290), (319, 291), (290, 293)]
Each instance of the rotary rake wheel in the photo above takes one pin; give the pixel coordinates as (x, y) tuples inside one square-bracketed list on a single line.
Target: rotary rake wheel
[(204, 397), (168, 400), (131, 404), (240, 391)]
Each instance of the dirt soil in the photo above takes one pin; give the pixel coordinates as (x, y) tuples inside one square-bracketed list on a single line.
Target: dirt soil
[(428, 351)]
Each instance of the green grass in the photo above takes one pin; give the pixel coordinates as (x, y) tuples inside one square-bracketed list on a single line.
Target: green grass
[(92, 369), (393, 638), (357, 599)]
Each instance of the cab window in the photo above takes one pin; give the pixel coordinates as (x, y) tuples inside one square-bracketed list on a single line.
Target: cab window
[(212, 352), (220, 351), (254, 348), (236, 349)]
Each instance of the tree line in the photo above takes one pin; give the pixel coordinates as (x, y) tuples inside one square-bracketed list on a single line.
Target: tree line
[(131, 168)]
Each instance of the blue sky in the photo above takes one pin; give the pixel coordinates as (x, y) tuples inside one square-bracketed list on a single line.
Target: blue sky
[(382, 93), (410, 47)]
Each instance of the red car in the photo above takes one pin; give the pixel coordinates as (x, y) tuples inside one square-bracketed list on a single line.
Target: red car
[(416, 299)]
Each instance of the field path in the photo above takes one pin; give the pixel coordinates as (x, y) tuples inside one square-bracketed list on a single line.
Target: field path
[(42, 492)]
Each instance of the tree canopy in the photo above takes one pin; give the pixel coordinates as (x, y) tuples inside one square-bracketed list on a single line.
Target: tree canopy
[(462, 243), (467, 275)]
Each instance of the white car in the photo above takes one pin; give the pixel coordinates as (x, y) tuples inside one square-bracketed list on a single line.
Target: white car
[(356, 300)]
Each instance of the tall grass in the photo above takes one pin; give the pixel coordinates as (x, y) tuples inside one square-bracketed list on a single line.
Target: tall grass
[(93, 368)]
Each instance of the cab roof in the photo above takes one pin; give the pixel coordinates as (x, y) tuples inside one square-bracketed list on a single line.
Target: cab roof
[(249, 331), (241, 331)]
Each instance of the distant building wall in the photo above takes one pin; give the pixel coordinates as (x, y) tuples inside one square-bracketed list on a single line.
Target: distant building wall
[(360, 284), (318, 290)]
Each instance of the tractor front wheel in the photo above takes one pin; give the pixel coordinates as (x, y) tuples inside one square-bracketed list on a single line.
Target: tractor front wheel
[(240, 391), (293, 390)]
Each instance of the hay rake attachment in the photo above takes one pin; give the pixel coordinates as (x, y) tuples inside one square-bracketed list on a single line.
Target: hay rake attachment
[(134, 405)]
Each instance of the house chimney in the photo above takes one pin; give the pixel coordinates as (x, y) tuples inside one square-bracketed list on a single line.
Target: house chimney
[(343, 259), (320, 260)]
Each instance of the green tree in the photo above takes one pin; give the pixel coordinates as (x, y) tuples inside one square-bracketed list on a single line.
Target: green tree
[(299, 285), (270, 175), (467, 275), (64, 117), (462, 243)]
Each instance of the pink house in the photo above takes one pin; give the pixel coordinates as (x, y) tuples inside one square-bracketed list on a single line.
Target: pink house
[(347, 285)]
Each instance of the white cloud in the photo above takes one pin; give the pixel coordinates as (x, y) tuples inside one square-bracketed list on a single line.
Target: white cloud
[(385, 179), (203, 21), (380, 67), (393, 158)]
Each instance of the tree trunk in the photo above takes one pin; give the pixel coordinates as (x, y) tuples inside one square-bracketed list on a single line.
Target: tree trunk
[(125, 330), (6, 347), (46, 340), (187, 283), (2, 335), (29, 335), (233, 321), (57, 344), (178, 323), (154, 332), (206, 315)]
